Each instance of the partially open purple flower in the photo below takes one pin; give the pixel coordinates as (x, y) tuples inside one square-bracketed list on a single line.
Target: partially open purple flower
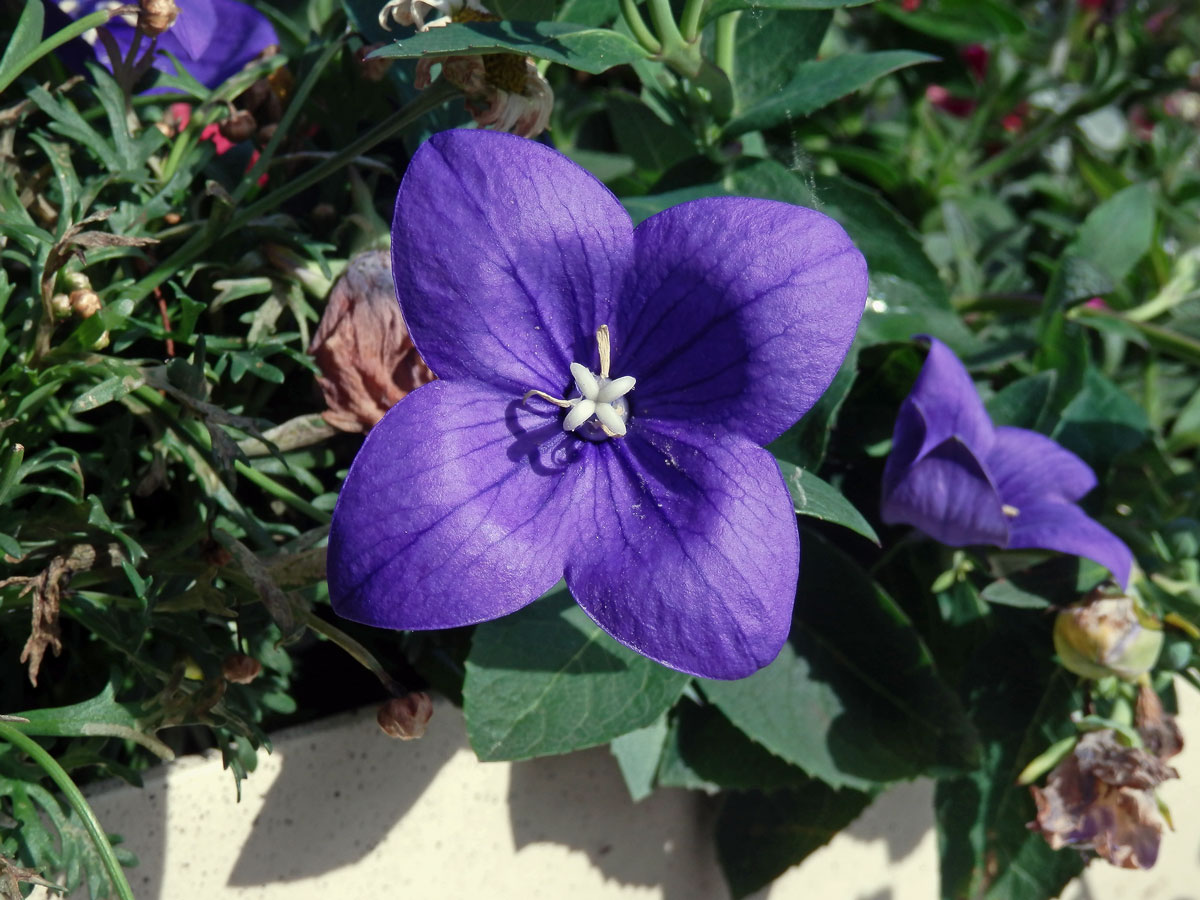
[(213, 39), (602, 400), (961, 480)]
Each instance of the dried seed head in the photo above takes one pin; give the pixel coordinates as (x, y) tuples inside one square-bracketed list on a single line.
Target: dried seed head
[(240, 668), (60, 305), (156, 16), (406, 717), (239, 126)]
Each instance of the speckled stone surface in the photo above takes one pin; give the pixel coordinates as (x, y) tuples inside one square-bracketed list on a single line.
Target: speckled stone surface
[(340, 810)]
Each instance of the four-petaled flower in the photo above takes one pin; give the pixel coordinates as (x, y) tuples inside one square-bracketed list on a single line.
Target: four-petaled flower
[(962, 480), (212, 39), (647, 487)]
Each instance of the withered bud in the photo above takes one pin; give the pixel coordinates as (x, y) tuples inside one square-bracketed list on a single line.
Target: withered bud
[(74, 281), (1157, 729), (60, 305), (172, 218), (240, 668), (1107, 635), (406, 717), (156, 16), (1101, 798), (239, 126), (367, 360), (85, 303), (103, 341)]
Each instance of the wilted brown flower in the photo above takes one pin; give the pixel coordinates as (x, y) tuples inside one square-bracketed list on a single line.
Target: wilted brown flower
[(156, 16), (1101, 798), (406, 717), (1107, 635), (504, 92), (85, 303), (367, 360)]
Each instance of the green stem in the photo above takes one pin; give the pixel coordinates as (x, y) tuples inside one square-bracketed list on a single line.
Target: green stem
[(356, 650), (1162, 339), (725, 42), (663, 19), (637, 25), (56, 40), (430, 99), (689, 23), (76, 799)]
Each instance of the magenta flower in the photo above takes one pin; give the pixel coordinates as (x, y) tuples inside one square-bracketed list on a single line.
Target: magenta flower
[(213, 39), (962, 480), (602, 400)]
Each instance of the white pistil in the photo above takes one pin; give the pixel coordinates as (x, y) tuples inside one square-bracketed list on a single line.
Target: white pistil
[(601, 402)]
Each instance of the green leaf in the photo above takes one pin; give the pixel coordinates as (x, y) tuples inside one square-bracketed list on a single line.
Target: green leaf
[(1025, 402), (818, 83), (1022, 704), (853, 698), (720, 7), (593, 50), (768, 45), (640, 134), (705, 751), (547, 680), (821, 500), (1118, 232), (760, 836), (638, 754), (958, 21), (1101, 422), (102, 716), (523, 10), (25, 37)]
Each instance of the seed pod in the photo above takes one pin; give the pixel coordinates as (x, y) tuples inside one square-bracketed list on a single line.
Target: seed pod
[(239, 126), (239, 668), (1107, 635), (85, 303), (406, 717)]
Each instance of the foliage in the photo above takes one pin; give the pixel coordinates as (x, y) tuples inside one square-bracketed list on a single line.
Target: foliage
[(166, 485)]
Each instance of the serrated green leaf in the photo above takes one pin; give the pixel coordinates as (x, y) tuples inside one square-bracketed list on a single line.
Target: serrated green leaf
[(817, 498), (818, 83), (547, 680), (593, 50), (760, 836), (853, 698), (768, 45), (102, 716)]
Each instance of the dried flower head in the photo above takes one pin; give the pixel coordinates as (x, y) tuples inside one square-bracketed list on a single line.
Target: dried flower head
[(1101, 798), (406, 717), (1107, 634), (156, 16), (426, 14), (239, 668), (367, 359), (504, 91)]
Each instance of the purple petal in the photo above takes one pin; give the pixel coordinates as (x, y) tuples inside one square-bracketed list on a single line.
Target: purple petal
[(457, 509), (1068, 529), (507, 258), (737, 313), (689, 552), (948, 495), (949, 403), (1029, 467), (196, 26)]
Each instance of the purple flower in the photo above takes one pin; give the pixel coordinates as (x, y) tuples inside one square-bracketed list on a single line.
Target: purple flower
[(602, 400), (213, 39), (961, 480)]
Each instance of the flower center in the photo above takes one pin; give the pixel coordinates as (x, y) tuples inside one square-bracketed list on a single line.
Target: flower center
[(599, 409)]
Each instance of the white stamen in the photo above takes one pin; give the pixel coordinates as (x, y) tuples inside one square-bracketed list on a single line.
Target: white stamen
[(585, 381), (610, 419), (584, 410), (618, 387)]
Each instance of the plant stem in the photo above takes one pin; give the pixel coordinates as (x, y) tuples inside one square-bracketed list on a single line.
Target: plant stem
[(430, 99), (689, 23), (637, 25), (56, 40), (356, 650), (725, 42), (76, 799)]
